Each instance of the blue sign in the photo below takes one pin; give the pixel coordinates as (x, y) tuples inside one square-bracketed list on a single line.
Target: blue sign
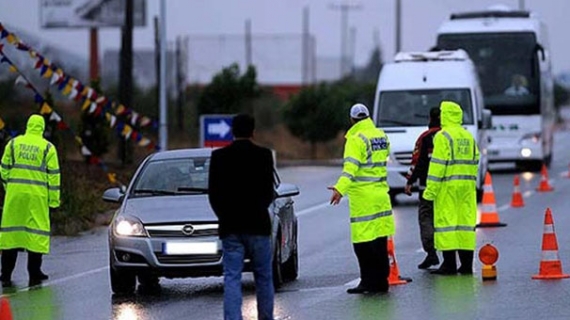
[(216, 130)]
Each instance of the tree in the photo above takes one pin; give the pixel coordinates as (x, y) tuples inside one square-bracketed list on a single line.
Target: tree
[(229, 92), (370, 72), (94, 129), (316, 114)]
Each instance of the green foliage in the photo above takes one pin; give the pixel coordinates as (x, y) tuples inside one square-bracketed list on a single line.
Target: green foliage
[(229, 92), (370, 72), (51, 132), (94, 130), (561, 95), (318, 113), (82, 186)]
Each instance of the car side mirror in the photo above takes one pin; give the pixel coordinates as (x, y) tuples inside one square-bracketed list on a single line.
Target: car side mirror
[(487, 120), (286, 190), (539, 48), (114, 195)]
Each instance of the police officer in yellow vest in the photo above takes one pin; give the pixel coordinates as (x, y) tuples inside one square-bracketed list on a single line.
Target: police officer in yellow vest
[(451, 185), (363, 180), (30, 175)]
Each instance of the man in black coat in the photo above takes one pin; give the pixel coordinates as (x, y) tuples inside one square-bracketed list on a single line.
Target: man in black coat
[(240, 189)]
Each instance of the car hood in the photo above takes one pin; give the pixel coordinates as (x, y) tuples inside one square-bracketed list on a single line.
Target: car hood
[(170, 209)]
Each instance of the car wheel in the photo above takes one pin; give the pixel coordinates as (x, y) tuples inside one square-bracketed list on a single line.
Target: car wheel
[(122, 283), (277, 271), (291, 266)]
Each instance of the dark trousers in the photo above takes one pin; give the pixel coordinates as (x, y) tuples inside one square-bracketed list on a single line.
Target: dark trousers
[(373, 262), (425, 217), (9, 258), (450, 260)]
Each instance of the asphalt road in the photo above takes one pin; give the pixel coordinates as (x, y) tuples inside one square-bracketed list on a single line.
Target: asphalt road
[(79, 282)]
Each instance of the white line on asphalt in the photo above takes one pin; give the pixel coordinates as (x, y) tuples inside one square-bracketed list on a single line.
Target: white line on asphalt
[(65, 279), (312, 209), (352, 283)]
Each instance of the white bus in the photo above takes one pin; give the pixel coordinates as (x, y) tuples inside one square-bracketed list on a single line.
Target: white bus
[(511, 52)]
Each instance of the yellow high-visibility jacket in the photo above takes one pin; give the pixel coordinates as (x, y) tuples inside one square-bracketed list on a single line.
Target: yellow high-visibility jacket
[(31, 178), (451, 182), (364, 180)]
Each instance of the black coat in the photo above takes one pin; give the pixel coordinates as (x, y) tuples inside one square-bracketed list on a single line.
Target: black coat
[(241, 188)]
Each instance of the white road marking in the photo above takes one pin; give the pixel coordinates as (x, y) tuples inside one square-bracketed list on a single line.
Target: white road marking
[(352, 283), (60, 280), (312, 209)]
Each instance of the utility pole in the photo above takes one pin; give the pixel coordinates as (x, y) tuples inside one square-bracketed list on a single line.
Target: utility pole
[(344, 8), (248, 59), (352, 49), (521, 5), (398, 27), (163, 125), (305, 48), (126, 77)]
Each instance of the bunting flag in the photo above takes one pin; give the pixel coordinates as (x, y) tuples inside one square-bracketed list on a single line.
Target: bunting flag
[(47, 110), (49, 71), (2, 124)]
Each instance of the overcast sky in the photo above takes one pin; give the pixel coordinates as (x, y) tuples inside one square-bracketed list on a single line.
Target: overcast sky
[(421, 19)]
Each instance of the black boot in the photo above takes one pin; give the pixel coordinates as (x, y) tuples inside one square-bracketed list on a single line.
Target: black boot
[(466, 259), (430, 260), (449, 265)]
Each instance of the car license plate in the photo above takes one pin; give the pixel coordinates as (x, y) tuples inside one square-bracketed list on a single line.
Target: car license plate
[(190, 248), (493, 152)]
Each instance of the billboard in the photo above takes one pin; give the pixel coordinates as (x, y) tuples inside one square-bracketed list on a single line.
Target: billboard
[(89, 13)]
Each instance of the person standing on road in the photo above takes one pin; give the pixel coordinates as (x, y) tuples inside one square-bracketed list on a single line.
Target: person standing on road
[(240, 189), (30, 175), (364, 181), (451, 185), (419, 170)]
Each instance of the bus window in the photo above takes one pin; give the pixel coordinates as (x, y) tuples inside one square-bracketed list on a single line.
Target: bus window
[(507, 68)]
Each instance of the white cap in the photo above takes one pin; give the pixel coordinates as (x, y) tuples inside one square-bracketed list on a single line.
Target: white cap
[(359, 111)]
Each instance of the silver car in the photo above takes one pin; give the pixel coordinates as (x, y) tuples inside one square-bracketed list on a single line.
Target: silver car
[(166, 228)]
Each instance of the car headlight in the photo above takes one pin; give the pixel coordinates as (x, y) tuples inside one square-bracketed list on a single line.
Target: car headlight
[(533, 137), (129, 227)]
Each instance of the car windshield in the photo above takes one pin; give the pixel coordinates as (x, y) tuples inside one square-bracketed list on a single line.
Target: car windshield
[(411, 107), (173, 176)]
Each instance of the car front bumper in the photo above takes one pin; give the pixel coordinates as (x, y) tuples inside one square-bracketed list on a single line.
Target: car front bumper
[(144, 255)]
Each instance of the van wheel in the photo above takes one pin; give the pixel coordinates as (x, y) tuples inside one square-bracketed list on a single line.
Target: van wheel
[(393, 199), (529, 165), (479, 195)]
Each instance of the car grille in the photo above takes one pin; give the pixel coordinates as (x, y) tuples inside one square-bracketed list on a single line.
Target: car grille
[(403, 158), (186, 259), (175, 231)]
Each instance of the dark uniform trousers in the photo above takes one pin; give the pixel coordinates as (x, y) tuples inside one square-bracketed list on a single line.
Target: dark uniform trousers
[(9, 258), (373, 262), (425, 218)]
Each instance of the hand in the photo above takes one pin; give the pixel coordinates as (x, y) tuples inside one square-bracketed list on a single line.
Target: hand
[(336, 196), (408, 189)]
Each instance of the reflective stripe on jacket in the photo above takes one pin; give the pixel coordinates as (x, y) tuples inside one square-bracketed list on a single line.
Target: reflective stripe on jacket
[(30, 174), (451, 182), (364, 180)]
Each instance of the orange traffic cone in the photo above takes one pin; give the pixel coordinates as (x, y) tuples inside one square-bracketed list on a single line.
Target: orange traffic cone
[(489, 214), (550, 265), (517, 200), (394, 277), (544, 185), (5, 311)]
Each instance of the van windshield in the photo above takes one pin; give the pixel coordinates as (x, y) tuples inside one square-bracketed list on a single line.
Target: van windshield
[(411, 107)]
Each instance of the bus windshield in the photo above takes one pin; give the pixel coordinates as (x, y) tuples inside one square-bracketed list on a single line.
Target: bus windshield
[(507, 68), (411, 107)]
